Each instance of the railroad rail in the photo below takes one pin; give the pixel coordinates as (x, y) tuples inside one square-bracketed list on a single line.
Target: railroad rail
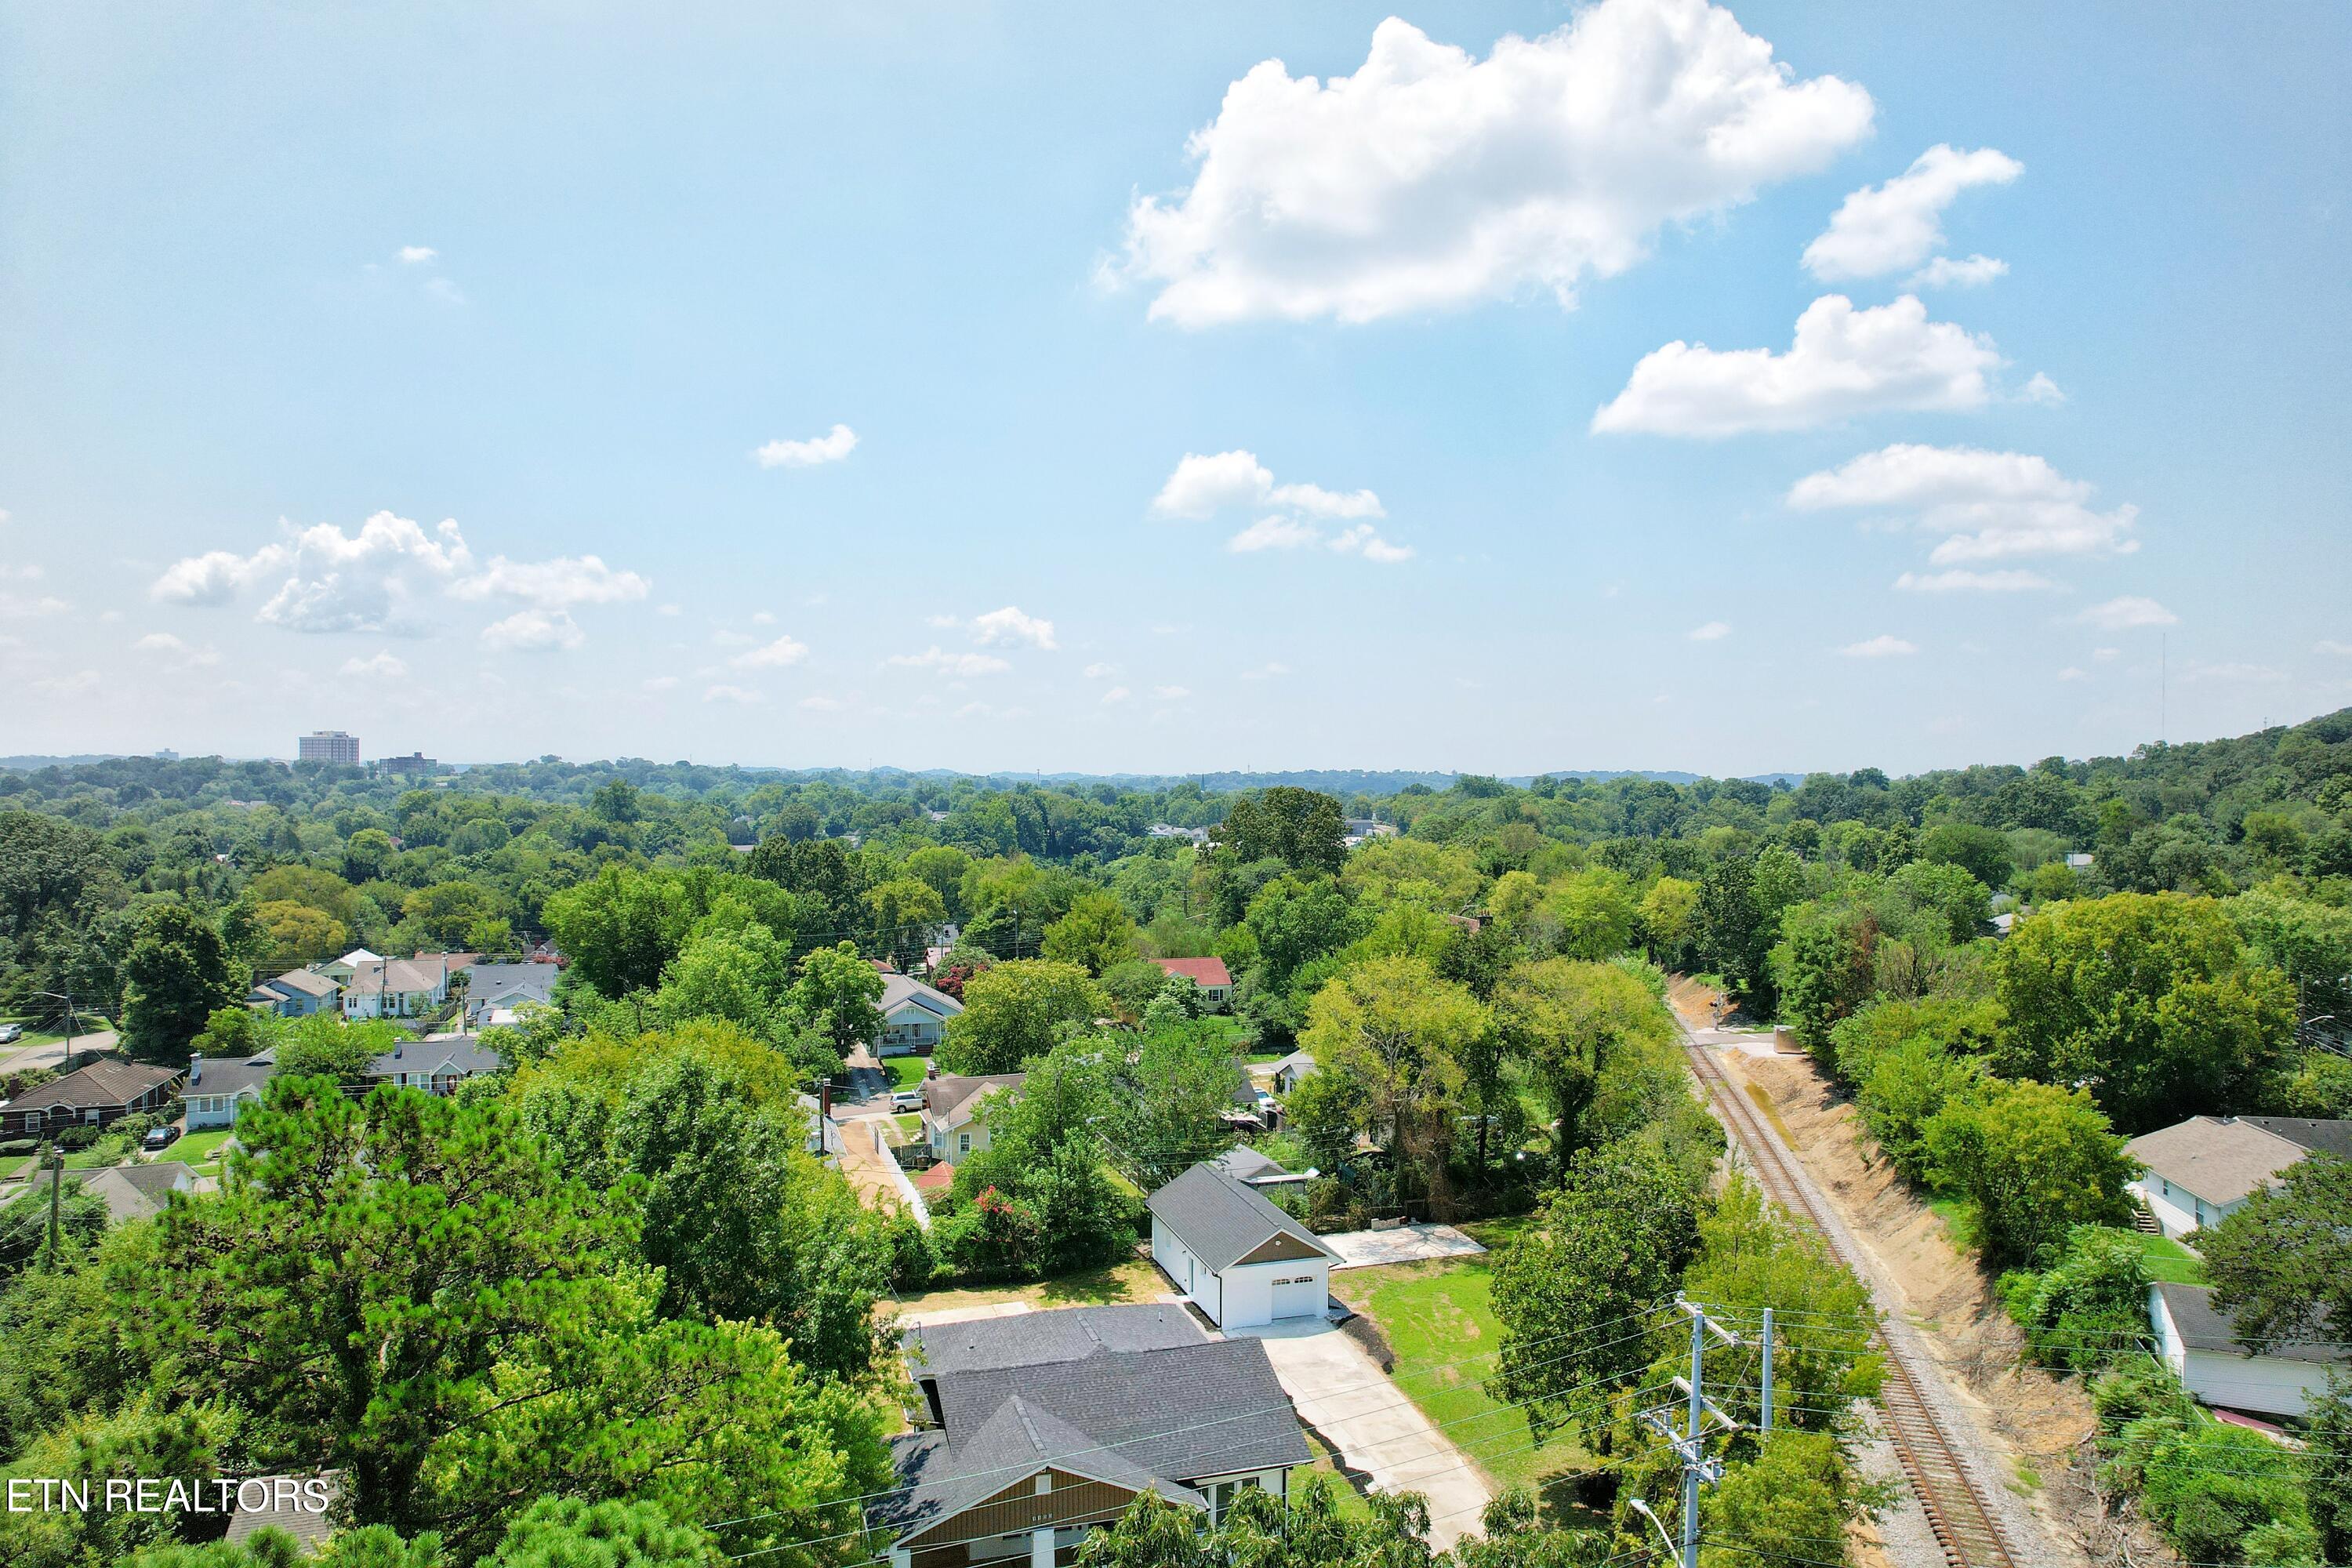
[(1963, 1519)]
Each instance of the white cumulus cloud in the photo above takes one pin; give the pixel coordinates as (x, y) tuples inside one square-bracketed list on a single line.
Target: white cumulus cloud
[(418, 255), (534, 631), (1950, 272), (2125, 613), (740, 695), (383, 666), (950, 663), (1714, 631), (553, 585), (1433, 179), (776, 655), (1205, 486), (1957, 581), (1114, 695), (1880, 646), (1842, 362), (1883, 228), (830, 447), (1362, 540), (1989, 505), (1010, 627), (1275, 533), (1172, 693)]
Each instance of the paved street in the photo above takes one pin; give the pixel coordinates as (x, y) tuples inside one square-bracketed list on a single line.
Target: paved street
[(52, 1054)]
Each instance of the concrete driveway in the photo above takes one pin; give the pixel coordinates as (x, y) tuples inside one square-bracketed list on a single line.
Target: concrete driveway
[(1359, 1411), (1401, 1244)]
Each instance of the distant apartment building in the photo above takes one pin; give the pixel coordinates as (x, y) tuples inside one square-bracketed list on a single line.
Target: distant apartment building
[(334, 746), (414, 763)]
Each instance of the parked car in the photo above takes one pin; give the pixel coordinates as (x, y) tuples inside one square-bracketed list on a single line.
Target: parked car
[(907, 1099), (11, 1033), (163, 1137)]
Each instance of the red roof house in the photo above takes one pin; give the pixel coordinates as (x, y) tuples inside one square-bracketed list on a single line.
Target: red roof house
[(1208, 973)]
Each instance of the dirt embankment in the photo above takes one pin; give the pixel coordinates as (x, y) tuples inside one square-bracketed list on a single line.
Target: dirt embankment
[(2045, 1425)]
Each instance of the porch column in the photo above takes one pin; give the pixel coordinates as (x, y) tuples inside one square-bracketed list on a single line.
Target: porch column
[(1041, 1547)]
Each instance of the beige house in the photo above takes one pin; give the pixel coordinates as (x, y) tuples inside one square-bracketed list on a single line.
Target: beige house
[(955, 1112), (2201, 1171)]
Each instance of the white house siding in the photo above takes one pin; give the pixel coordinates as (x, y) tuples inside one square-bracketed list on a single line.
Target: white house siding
[(2267, 1386), (1195, 1279), (215, 1109), (2177, 1210), (909, 1029), (1249, 1292)]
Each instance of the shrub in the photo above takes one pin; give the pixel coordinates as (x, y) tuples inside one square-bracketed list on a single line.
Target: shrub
[(74, 1140), (2088, 1309)]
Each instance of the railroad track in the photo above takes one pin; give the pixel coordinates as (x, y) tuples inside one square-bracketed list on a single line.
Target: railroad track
[(1963, 1518)]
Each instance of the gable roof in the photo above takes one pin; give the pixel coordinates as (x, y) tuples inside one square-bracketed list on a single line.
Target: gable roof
[(307, 982), (1198, 971), (1209, 1409), (309, 1529), (2316, 1136), (1018, 1440), (2204, 1327), (460, 1054), (489, 982), (1244, 1163), (948, 1094), (97, 1087), (229, 1075), (397, 976), (135, 1191), (902, 990), (1042, 1338), (2220, 1159), (1300, 1062), (1222, 1221)]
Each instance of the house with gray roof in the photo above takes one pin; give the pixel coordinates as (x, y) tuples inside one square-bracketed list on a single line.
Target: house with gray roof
[(2201, 1343), (1234, 1253), (1290, 1070), (1045, 1425), (2197, 1172), (914, 1017), (955, 1111), (494, 991), (296, 993), (437, 1064), (220, 1087), (136, 1191)]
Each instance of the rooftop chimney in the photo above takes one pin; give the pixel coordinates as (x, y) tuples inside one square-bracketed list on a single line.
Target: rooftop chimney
[(195, 1069)]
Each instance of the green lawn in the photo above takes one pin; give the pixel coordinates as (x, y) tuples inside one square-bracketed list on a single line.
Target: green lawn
[(1433, 1315), (10, 1164), (910, 1127), (199, 1148), (111, 1150), (2167, 1261), (906, 1072)]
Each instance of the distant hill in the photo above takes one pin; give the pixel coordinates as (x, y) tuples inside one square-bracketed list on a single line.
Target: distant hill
[(33, 764)]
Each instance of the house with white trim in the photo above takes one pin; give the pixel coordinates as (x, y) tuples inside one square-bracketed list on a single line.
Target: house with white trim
[(1235, 1255), (2199, 1172), (2200, 1344), (914, 1017)]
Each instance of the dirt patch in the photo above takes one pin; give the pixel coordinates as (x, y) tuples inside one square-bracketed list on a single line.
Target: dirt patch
[(2043, 1426)]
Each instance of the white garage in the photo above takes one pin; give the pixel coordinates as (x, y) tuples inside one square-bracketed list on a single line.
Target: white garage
[(1236, 1255)]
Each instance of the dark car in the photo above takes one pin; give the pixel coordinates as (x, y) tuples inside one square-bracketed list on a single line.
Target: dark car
[(162, 1137)]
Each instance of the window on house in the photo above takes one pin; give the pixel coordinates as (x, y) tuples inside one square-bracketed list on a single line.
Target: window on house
[(963, 1142)]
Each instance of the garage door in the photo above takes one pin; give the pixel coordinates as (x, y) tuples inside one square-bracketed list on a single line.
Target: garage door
[(1299, 1298)]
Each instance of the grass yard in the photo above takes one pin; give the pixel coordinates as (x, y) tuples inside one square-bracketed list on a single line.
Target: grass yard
[(906, 1072), (1434, 1315), (1352, 1501), (1133, 1280), (200, 1148), (909, 1126), (111, 1150), (11, 1165), (2167, 1261)]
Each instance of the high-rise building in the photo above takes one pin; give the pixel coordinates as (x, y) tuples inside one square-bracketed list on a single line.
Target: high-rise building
[(414, 763), (327, 746)]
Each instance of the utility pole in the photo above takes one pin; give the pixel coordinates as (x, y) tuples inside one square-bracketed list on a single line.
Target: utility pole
[(56, 1176), (1767, 1372), (1690, 1444)]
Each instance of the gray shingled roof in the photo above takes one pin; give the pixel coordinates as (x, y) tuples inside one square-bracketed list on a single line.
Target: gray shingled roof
[(2319, 1137), (309, 1529), (898, 989), (100, 1085), (229, 1075), (460, 1054), (1041, 1338), (1017, 1440), (1244, 1163), (2202, 1328), (944, 1095), (134, 1191), (487, 982), (304, 981), (1221, 1220), (1208, 1409)]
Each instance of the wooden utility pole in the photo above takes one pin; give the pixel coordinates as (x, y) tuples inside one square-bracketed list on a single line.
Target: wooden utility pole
[(57, 1181)]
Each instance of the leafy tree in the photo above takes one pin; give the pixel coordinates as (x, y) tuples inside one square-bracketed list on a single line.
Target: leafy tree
[(742, 1223), (1983, 852), (1567, 1020), (237, 1032), (1013, 1011), (2327, 1487), (1670, 917), (566, 1532), (322, 1045), (940, 867), (837, 992), (1393, 1028), (620, 930), (405, 1289), (1295, 920), (1908, 1088), (1097, 935), (2151, 998), (2035, 1161), (367, 855), (176, 976), (1825, 968), (1789, 1502), (1592, 914), (907, 911), (298, 934), (448, 913), (1163, 1113), (24, 1224), (2281, 1264), (2089, 1307), (1733, 938), (1607, 1248), (1300, 827)]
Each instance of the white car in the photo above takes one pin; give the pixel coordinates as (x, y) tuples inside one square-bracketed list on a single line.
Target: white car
[(907, 1099), (11, 1033)]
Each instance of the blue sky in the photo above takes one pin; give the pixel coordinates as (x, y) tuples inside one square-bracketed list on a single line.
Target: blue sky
[(561, 275)]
